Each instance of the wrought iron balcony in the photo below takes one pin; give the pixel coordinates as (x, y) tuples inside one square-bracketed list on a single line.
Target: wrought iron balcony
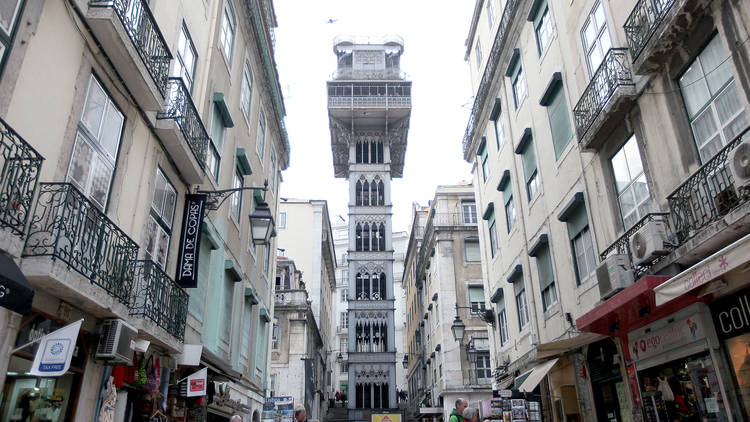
[(601, 100), (369, 94), (19, 173), (707, 195), (137, 24), (651, 27), (622, 244), (158, 298), (67, 226), (187, 143)]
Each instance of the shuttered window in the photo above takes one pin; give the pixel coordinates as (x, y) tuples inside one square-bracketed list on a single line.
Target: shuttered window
[(559, 121)]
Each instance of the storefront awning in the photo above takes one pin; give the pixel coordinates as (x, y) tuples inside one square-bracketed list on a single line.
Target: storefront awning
[(704, 272), (531, 381), (630, 309), (16, 293), (560, 347)]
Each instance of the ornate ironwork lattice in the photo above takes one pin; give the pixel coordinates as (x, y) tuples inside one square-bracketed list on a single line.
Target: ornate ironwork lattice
[(19, 174), (181, 109), (158, 298)]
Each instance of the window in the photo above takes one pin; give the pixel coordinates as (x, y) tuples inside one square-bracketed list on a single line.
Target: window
[(712, 100), (492, 229), (227, 304), (544, 27), (282, 220), (630, 182), (261, 344), (499, 125), (595, 37), (97, 142), (530, 171), (502, 323), (491, 13), (584, 256), (246, 95), (478, 54), (476, 299), (245, 339), (343, 345), (518, 80), (546, 277), (483, 158), (523, 310), (9, 13), (272, 173), (510, 208), (159, 226), (184, 66), (226, 36), (344, 320), (482, 366), (559, 121), (267, 259), (237, 196), (197, 302), (275, 337), (272, 392), (344, 293), (471, 249), (469, 211), (213, 157), (260, 142)]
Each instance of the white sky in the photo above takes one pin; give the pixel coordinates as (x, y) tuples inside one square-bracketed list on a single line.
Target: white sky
[(434, 36)]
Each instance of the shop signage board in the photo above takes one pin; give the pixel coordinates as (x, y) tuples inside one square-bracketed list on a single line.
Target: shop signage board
[(278, 409), (196, 383), (675, 334), (385, 417), (55, 351), (190, 241), (731, 315)]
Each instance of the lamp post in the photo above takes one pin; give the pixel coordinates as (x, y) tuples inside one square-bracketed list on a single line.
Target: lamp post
[(406, 361), (339, 358)]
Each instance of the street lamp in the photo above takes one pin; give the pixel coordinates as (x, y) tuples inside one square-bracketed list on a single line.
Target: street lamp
[(339, 358), (458, 328), (261, 224), (406, 361)]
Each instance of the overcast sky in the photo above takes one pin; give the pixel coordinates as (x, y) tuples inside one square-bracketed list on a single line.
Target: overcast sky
[(434, 36)]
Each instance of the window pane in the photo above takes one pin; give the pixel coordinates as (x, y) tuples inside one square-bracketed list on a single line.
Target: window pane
[(728, 105), (627, 202), (111, 129), (705, 131), (80, 163), (620, 170), (599, 16), (93, 109), (640, 189), (100, 178), (715, 65), (694, 89), (160, 192), (8, 10), (634, 157), (472, 250), (589, 33), (169, 205), (162, 247), (151, 238)]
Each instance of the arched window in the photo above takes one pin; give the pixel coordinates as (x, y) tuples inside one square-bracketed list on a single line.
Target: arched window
[(358, 245), (366, 237), (383, 293), (380, 153), (361, 286), (374, 193), (359, 153), (381, 193), (366, 193), (358, 194), (365, 153), (374, 152), (382, 236)]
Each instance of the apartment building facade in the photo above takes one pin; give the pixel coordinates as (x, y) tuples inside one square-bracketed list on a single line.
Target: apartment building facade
[(112, 113), (603, 139), (448, 279)]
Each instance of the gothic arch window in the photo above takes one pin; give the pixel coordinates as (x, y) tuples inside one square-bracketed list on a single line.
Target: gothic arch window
[(366, 237), (358, 153), (383, 293), (358, 193), (381, 240), (381, 193), (365, 153), (380, 153), (366, 193), (362, 289), (359, 243)]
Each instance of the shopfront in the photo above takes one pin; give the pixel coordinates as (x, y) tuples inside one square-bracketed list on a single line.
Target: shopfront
[(679, 368), (27, 398), (607, 385)]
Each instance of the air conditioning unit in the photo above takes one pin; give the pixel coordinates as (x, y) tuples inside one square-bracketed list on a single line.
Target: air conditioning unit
[(613, 275), (114, 342), (738, 162), (649, 242)]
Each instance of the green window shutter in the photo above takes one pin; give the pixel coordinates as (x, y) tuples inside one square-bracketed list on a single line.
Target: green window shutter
[(544, 266), (483, 148), (559, 121), (529, 160), (541, 6), (507, 194), (578, 221), (476, 294), (497, 298), (518, 285), (491, 219)]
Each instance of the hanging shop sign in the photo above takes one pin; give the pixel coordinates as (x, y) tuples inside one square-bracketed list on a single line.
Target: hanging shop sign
[(190, 241), (731, 315), (55, 351), (673, 335), (196, 383)]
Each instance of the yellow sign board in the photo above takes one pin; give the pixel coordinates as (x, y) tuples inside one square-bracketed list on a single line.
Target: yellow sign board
[(385, 417)]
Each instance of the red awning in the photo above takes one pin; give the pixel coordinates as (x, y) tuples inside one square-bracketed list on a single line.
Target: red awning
[(632, 308)]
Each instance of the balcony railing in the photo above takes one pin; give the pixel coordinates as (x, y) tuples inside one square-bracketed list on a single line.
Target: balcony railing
[(290, 297), (67, 226), (642, 23), (613, 72), (143, 31), (707, 195), (369, 101), (622, 244), (362, 74), (19, 174), (158, 298), (181, 109)]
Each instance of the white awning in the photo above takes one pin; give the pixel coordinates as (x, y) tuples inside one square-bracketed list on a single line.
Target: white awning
[(530, 383), (711, 268), (553, 348)]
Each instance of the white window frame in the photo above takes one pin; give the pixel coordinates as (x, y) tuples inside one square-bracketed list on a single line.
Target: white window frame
[(601, 34), (181, 68), (520, 91), (636, 213), (478, 53), (227, 31), (510, 214), (584, 256), (502, 322), (491, 14), (260, 140), (236, 201), (522, 308), (160, 220), (246, 96), (545, 28), (469, 212), (282, 220)]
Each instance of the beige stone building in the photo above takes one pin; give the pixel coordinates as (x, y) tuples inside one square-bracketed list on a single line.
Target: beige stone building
[(445, 286), (603, 136), (111, 113)]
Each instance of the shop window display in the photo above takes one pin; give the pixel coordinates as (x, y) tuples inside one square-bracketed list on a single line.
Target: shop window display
[(738, 349), (685, 390)]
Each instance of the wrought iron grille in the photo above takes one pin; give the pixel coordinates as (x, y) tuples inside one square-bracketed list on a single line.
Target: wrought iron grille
[(181, 109), (158, 298), (613, 72), (708, 194), (143, 31), (642, 23), (490, 69), (68, 226), (19, 174), (622, 244)]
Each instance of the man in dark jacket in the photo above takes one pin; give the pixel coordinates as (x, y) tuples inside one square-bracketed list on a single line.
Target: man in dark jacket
[(457, 413)]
